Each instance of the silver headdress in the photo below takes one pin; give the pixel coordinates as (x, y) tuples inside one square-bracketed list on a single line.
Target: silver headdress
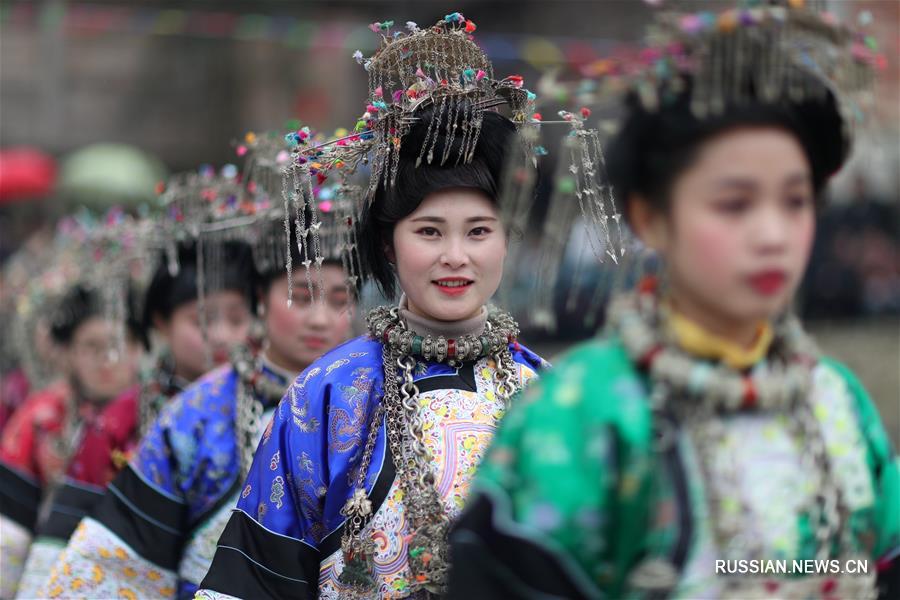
[(440, 66), (210, 210), (319, 220), (783, 50), (442, 69)]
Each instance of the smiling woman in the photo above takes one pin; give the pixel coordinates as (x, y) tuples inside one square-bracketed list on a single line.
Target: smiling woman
[(449, 254), (359, 476)]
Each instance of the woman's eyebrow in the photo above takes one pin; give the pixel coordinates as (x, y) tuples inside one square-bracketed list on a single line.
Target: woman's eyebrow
[(736, 182), (435, 219), (795, 178)]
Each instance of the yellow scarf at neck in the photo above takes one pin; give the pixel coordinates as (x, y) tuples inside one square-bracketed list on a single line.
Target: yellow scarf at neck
[(696, 340)]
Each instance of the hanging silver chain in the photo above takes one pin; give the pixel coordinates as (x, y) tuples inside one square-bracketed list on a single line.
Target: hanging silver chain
[(249, 411), (252, 385)]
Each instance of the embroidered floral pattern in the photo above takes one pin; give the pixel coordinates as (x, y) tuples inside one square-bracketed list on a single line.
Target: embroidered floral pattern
[(103, 567)]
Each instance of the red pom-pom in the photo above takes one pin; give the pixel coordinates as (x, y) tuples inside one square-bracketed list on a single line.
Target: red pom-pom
[(647, 285)]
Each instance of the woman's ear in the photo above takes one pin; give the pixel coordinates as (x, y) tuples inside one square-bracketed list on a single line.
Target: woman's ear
[(390, 254), (648, 222)]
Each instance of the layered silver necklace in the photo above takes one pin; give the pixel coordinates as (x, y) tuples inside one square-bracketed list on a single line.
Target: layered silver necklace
[(428, 555)]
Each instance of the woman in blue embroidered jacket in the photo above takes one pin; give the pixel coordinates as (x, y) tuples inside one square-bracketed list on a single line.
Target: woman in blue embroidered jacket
[(370, 453), (154, 533)]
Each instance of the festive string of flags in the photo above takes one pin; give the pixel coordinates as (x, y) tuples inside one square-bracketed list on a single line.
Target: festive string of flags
[(93, 19)]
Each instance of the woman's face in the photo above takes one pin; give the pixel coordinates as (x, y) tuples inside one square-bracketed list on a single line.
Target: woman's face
[(228, 323), (449, 254), (739, 230), (99, 369), (299, 334)]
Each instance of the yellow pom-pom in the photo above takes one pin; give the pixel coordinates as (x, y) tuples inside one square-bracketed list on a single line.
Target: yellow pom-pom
[(727, 21)]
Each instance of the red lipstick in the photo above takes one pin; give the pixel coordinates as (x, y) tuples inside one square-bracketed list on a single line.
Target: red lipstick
[(314, 342), (767, 283), (453, 286)]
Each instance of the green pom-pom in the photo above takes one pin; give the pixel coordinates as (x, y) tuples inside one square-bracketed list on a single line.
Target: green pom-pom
[(356, 572), (566, 185)]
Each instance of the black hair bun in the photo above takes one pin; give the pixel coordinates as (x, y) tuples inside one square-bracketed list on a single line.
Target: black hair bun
[(436, 127), (167, 292), (80, 304)]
